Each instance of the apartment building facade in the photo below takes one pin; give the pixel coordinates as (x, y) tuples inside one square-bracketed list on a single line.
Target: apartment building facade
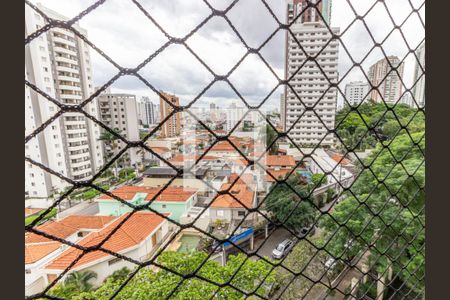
[(419, 88), (389, 84), (172, 126), (311, 87), (148, 112), (58, 62), (356, 92), (119, 111)]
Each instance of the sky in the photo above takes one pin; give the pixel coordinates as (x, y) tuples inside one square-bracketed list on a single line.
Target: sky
[(124, 33)]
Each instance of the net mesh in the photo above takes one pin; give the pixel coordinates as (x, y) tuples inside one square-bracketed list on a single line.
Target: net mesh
[(378, 241)]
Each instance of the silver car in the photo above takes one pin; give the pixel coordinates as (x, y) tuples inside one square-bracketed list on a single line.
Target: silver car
[(282, 249)]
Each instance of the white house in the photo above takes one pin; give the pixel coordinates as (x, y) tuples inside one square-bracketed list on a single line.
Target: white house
[(138, 239)]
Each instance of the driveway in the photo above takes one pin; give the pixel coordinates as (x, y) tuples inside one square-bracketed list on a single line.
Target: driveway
[(272, 241)]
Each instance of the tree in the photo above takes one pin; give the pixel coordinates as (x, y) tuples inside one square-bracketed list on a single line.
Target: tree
[(120, 274), (282, 201), (271, 135), (75, 283), (149, 284), (111, 140)]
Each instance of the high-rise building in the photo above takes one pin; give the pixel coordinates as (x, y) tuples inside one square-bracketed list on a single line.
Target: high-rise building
[(119, 111), (58, 62), (356, 92), (147, 111), (310, 14), (382, 74), (172, 126), (234, 115), (283, 111), (419, 88), (309, 83)]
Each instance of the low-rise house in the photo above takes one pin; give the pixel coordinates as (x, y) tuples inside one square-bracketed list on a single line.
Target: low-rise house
[(174, 200), (163, 152), (39, 250), (225, 207), (280, 162), (137, 238)]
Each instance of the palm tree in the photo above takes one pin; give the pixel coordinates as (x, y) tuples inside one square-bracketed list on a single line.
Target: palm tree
[(80, 280), (110, 139)]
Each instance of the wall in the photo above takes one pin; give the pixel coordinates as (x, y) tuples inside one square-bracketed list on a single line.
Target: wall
[(192, 183), (176, 209)]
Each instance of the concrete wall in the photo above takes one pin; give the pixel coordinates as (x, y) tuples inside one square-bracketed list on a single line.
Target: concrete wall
[(191, 183)]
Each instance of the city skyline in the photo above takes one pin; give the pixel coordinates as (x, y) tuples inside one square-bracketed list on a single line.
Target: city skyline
[(129, 55)]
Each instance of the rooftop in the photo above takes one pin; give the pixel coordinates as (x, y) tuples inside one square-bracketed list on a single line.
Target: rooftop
[(170, 194), (67, 226), (131, 233), (280, 160), (35, 252), (241, 191)]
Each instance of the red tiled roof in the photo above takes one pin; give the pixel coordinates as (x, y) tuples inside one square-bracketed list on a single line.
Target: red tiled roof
[(224, 146), (280, 160), (67, 226), (338, 157), (243, 179), (278, 174), (180, 158), (31, 211), (242, 192), (160, 150), (131, 233), (35, 252), (170, 194)]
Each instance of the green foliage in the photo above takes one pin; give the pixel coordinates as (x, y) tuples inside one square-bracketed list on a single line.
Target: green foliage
[(52, 213), (149, 284), (318, 180), (120, 274), (75, 283), (271, 135), (404, 180), (354, 125), (282, 201)]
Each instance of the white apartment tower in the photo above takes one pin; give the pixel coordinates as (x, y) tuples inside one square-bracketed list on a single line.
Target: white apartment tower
[(419, 88), (389, 83), (234, 115), (58, 62), (356, 92), (147, 111), (309, 83), (119, 112)]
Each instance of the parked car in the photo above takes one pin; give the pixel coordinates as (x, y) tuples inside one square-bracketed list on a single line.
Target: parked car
[(282, 249), (307, 231)]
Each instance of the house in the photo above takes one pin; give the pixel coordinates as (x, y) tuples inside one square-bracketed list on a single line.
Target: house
[(39, 250), (225, 207), (137, 238), (163, 152), (174, 200), (280, 162)]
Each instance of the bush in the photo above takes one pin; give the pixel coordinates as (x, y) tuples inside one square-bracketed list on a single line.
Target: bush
[(330, 195)]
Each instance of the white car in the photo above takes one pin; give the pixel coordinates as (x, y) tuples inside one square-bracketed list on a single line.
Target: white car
[(282, 249)]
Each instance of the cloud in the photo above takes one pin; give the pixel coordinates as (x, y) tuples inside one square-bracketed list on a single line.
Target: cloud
[(123, 32)]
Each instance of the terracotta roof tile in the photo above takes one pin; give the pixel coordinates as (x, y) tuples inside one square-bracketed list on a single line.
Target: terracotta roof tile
[(135, 230), (67, 226), (280, 160), (278, 174), (31, 211), (242, 192), (35, 252), (170, 194)]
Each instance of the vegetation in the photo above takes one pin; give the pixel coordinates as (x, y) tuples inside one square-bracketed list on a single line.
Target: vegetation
[(361, 128), (75, 283), (52, 213), (402, 187), (271, 135), (282, 201), (149, 284)]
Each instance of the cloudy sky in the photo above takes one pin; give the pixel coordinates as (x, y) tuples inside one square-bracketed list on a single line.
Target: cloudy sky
[(124, 33)]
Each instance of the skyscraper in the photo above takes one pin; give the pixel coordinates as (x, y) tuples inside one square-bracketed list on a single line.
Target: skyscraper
[(419, 88), (356, 92), (381, 73), (119, 111), (234, 115), (58, 62), (147, 111), (172, 126), (311, 86)]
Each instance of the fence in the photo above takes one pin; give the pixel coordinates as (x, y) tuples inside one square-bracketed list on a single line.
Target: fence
[(394, 170)]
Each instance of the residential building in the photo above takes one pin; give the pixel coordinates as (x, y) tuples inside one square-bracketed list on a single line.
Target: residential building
[(419, 76), (172, 126), (311, 86), (295, 7), (40, 250), (138, 238), (58, 62), (147, 111), (356, 92), (119, 111), (383, 76), (234, 115), (174, 200), (283, 111)]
